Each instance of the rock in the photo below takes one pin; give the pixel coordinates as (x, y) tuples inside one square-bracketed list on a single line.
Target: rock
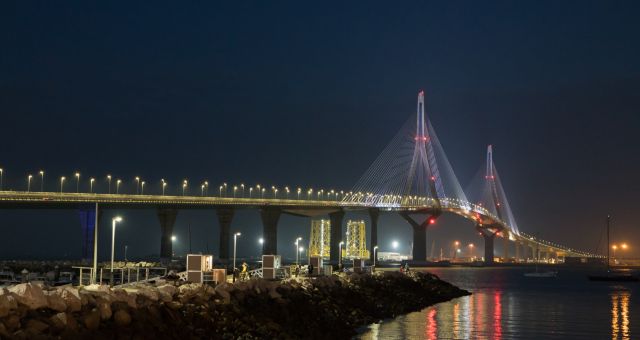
[(92, 320), (223, 291), (59, 321), (149, 293), (7, 302), (55, 301), (104, 307), (167, 292), (3, 331), (29, 295), (71, 298), (36, 326), (122, 318), (97, 288)]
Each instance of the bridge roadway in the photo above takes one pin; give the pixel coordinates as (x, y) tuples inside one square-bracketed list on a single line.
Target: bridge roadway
[(487, 224)]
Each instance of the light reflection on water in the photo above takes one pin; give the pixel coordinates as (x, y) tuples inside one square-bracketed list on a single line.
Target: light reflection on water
[(504, 305)]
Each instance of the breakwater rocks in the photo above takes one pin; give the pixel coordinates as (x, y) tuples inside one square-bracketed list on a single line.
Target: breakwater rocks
[(320, 307)]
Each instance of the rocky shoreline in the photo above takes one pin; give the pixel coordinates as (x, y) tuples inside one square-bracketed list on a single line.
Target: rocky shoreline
[(319, 307)]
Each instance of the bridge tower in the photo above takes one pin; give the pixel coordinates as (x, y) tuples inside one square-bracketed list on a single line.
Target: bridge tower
[(423, 180), (489, 232)]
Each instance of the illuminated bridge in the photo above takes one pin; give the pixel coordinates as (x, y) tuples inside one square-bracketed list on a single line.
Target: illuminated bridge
[(411, 177)]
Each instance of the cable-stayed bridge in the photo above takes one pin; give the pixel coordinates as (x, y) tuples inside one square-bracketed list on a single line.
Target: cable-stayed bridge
[(412, 177)]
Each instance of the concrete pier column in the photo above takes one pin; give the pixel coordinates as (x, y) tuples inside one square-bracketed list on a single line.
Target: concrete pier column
[(517, 245), (88, 223), (374, 213), (336, 235), (505, 247), (225, 216), (488, 247), (270, 217), (419, 235), (167, 218)]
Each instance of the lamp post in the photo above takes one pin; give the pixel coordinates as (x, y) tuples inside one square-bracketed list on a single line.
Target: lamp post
[(29, 182), (184, 187), (235, 241), (62, 183), (109, 180), (41, 180), (77, 182), (113, 241), (250, 191), (340, 253), (297, 249), (91, 180), (137, 185), (142, 188), (118, 186), (206, 188), (242, 187), (374, 258), (164, 185), (235, 188), (471, 250), (1, 175)]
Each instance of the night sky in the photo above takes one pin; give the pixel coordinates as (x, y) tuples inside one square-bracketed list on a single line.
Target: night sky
[(308, 95)]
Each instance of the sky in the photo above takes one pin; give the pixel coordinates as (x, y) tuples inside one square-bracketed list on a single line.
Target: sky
[(308, 94)]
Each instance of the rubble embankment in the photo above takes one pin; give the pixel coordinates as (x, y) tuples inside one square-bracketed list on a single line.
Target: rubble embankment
[(319, 307)]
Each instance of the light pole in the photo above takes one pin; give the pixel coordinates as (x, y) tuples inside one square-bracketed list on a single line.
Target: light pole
[(118, 186), (1, 175), (164, 184), (77, 182), (29, 182), (471, 250), (206, 188), (235, 241), (109, 180), (202, 190), (137, 185), (113, 241), (250, 191), (299, 190), (173, 240), (374, 257), (262, 193), (297, 250), (41, 181), (91, 180), (235, 188), (340, 253), (220, 194), (62, 183), (142, 188), (242, 187), (184, 186)]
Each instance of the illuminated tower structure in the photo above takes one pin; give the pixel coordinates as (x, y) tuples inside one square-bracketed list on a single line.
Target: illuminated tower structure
[(320, 238), (356, 247)]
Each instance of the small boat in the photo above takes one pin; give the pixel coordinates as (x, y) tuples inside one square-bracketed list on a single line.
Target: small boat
[(551, 273), (612, 275)]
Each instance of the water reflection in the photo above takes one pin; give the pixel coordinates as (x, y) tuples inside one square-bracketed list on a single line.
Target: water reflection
[(620, 315)]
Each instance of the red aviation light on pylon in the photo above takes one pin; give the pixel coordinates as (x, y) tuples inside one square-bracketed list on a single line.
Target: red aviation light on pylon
[(432, 221), (433, 178)]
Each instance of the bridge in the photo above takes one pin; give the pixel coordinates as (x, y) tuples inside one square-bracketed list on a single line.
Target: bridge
[(411, 177)]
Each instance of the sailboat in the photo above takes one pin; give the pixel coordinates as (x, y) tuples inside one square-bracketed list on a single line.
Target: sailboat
[(612, 275)]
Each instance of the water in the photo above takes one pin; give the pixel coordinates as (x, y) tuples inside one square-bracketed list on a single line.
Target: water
[(507, 305)]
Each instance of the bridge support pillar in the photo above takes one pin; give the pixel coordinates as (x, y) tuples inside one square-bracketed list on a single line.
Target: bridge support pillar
[(506, 248), (270, 217), (225, 216), (167, 218), (374, 213), (489, 236), (419, 235), (336, 235), (517, 244), (88, 222)]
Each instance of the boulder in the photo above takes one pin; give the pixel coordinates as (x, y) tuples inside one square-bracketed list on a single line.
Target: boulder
[(55, 301), (36, 326), (223, 291), (122, 318), (104, 307), (7, 302), (29, 295), (168, 289), (59, 321), (71, 298), (92, 320), (148, 292)]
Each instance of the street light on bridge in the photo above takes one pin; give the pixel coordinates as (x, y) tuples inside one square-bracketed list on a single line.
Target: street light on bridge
[(77, 182), (113, 241), (242, 187), (29, 182), (62, 183), (91, 180), (262, 192), (202, 190), (41, 180), (235, 188), (142, 188), (109, 180), (1, 175), (250, 191), (118, 186), (137, 185)]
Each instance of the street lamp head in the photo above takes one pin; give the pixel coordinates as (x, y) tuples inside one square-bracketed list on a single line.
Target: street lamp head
[(341, 243), (77, 174), (261, 240), (238, 234), (301, 249), (173, 238), (41, 172), (624, 246), (376, 247), (117, 219)]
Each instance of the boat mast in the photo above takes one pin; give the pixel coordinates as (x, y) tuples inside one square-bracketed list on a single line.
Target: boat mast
[(608, 218)]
